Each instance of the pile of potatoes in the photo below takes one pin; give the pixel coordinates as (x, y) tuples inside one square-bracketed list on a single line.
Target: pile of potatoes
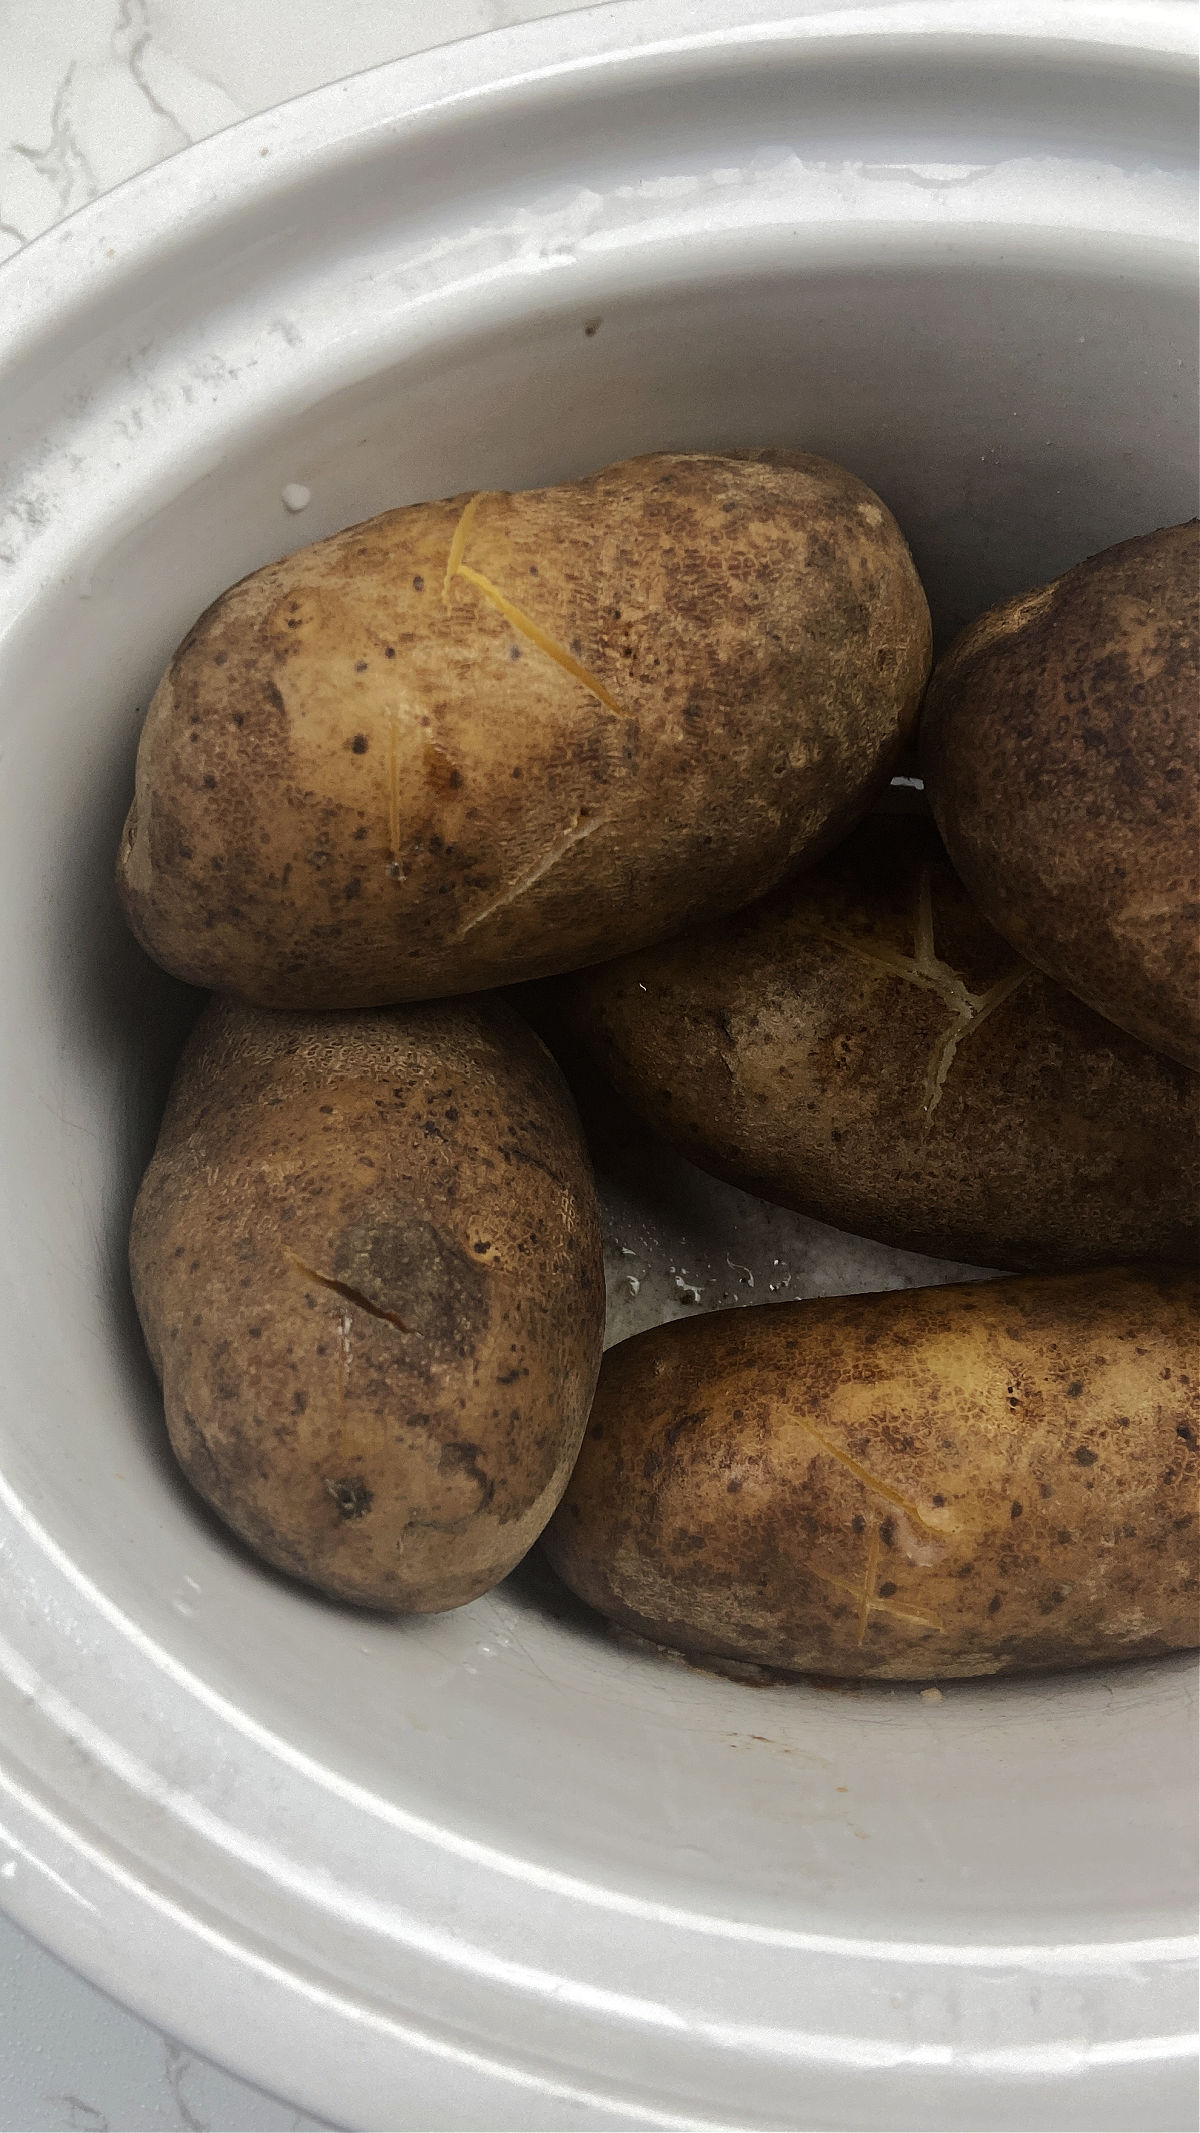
[(634, 735)]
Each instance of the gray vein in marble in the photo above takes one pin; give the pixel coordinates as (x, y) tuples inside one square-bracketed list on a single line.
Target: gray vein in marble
[(81, 2117), (130, 38), (62, 161), (178, 2063)]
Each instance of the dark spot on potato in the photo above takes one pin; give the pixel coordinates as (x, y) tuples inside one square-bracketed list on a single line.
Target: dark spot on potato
[(1074, 1389), (463, 1458), (209, 781), (418, 586), (219, 658), (404, 1265), (676, 1429), (359, 744), (274, 697), (995, 1604), (509, 1377), (1016, 1510), (938, 1502), (887, 1589), (1084, 1457), (352, 1496), (858, 1523)]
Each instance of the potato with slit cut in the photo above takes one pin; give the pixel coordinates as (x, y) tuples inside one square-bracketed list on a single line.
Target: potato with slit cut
[(863, 1046), (366, 1257), (1059, 746), (504, 735), (988, 1478)]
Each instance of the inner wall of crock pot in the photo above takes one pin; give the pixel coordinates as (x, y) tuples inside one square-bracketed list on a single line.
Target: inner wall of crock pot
[(1016, 415)]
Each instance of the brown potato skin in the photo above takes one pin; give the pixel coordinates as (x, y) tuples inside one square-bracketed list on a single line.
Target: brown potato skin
[(360, 781), (1059, 749), (796, 1048), (366, 1257), (989, 1478)]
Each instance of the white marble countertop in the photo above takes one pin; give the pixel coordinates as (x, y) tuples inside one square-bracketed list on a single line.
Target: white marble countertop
[(90, 92)]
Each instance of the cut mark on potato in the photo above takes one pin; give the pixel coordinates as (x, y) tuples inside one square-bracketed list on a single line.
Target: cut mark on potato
[(926, 968), (517, 617), (871, 1481), (458, 542), (868, 1585), (870, 1602), (395, 865), (584, 825), (343, 1368), (980, 1008), (348, 1295)]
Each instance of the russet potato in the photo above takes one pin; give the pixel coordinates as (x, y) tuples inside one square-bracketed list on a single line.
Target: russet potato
[(366, 1257), (1058, 744), (929, 1484), (863, 1046), (503, 735)]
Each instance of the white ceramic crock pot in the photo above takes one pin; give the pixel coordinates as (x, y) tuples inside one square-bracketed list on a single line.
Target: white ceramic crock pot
[(490, 1870)]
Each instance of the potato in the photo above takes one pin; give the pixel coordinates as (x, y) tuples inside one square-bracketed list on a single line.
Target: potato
[(862, 1046), (935, 1483), (504, 735), (366, 1257), (1059, 749)]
